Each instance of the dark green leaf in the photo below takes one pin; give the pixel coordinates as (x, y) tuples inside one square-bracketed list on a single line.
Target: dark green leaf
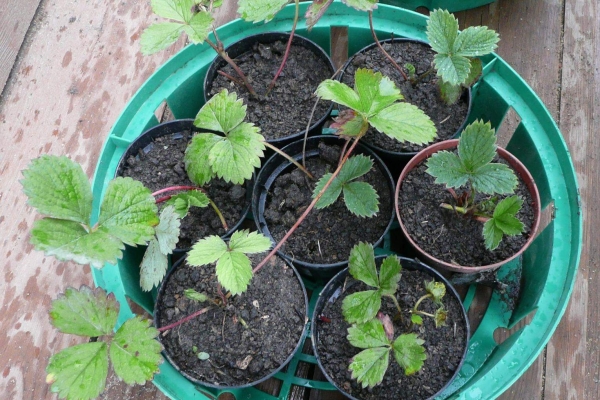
[(509, 206), (492, 235), (494, 178), (184, 200), (389, 275), (368, 335), (361, 199), (453, 69), (355, 167), (330, 195), (368, 367), (409, 352), (361, 306), (476, 41), (475, 73), (361, 264), (477, 145), (447, 169)]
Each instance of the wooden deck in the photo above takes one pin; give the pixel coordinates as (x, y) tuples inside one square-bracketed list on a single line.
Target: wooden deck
[(78, 65)]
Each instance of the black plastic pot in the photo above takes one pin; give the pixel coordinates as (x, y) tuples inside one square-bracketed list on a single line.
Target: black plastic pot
[(175, 128), (245, 45), (397, 160), (334, 289), (275, 166), (159, 297)]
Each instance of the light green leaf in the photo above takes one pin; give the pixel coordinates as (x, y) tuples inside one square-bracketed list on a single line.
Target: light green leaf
[(134, 352), (475, 72), (494, 178), (203, 356), (339, 93), (389, 275), (167, 231), (368, 335), (453, 69), (249, 242), (450, 93), (182, 202), (375, 91), (223, 112), (194, 295), (361, 264), (355, 167), (58, 187), (85, 312), (79, 372), (234, 272), (492, 235), (196, 160), (199, 27), (179, 10), (70, 241), (440, 317), (405, 122), (206, 251), (260, 10), (153, 266), (360, 307), (361, 199), (477, 145), (436, 289), (368, 367), (416, 319), (361, 5), (409, 352), (476, 41), (442, 31), (447, 169), (128, 211), (159, 36), (331, 194), (315, 11), (235, 158), (509, 206)]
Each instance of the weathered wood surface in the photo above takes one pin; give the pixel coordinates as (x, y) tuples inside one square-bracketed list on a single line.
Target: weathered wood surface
[(80, 66)]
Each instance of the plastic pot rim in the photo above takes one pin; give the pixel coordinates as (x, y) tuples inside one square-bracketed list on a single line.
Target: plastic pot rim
[(519, 168)]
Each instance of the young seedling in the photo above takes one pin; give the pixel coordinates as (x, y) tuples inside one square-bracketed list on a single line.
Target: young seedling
[(472, 169), (457, 61), (80, 371), (435, 291)]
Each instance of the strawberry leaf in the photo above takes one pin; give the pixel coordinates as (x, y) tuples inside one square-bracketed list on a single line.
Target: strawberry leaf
[(234, 272), (178, 10), (196, 159), (361, 199), (409, 353), (404, 122), (260, 10), (361, 264), (389, 275), (437, 290), (503, 222), (368, 335), (85, 312), (249, 242), (159, 36), (153, 266), (340, 93), (362, 306), (450, 93), (442, 31), (182, 202), (194, 295), (331, 194), (476, 41), (198, 27), (368, 367), (223, 112), (416, 319), (207, 251), (453, 69), (134, 352), (167, 231)]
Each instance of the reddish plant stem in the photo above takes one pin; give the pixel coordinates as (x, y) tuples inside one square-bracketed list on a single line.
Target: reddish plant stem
[(382, 49), (308, 209), (221, 51), (174, 188), (287, 49), (183, 320), (231, 78)]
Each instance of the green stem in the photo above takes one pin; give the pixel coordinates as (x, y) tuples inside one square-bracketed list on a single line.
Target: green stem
[(219, 214), (287, 49), (382, 49), (289, 158), (414, 310), (462, 210)]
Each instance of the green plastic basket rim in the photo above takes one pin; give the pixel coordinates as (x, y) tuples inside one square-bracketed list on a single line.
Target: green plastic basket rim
[(494, 377)]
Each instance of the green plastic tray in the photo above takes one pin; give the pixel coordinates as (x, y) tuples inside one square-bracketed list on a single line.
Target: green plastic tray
[(548, 267), (450, 5)]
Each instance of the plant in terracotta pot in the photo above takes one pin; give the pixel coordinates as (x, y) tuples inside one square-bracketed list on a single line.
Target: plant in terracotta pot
[(466, 204), (387, 310)]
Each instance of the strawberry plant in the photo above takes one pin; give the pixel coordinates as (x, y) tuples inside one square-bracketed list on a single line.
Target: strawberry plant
[(473, 171)]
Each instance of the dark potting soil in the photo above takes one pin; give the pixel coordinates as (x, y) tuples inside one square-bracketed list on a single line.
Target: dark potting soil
[(425, 94), (449, 236), (326, 236), (287, 108), (444, 346), (272, 309), (160, 165)]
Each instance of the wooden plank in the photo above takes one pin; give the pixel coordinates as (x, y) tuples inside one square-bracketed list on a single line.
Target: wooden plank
[(573, 370), (15, 20)]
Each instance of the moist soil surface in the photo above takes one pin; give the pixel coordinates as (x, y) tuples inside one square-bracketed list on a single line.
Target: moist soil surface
[(160, 165), (450, 236), (272, 309), (326, 236), (444, 346), (425, 94), (285, 111)]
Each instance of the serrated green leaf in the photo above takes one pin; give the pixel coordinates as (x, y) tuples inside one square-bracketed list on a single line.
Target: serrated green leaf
[(409, 352), (206, 251), (416, 319), (315, 11), (440, 317), (198, 27), (330, 195), (492, 235), (361, 264), (153, 266), (167, 230), (503, 222), (235, 158), (362, 306), (436, 289), (509, 225), (70, 241), (182, 202), (194, 295), (474, 73), (509, 206), (159, 36), (476, 41), (368, 335), (447, 169), (260, 10), (179, 10), (450, 93), (368, 367), (355, 167), (389, 275), (453, 69), (128, 211), (340, 93), (405, 122), (249, 242), (80, 371), (375, 91), (442, 31), (477, 145), (234, 272), (58, 187), (223, 112), (361, 199), (85, 312), (361, 5), (196, 160), (494, 178), (134, 352)]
